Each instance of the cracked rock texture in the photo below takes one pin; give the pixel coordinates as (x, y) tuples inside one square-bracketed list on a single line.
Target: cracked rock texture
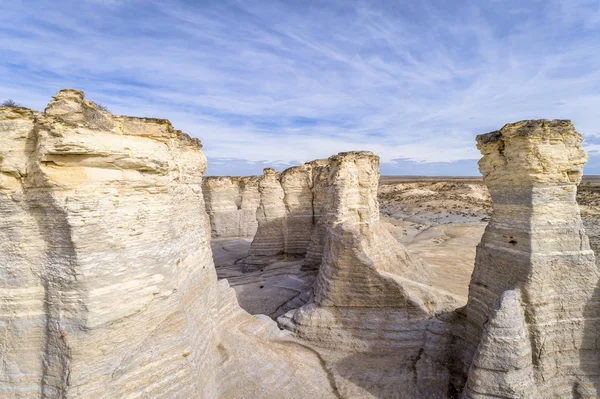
[(108, 286), (231, 204), (532, 317), (107, 283)]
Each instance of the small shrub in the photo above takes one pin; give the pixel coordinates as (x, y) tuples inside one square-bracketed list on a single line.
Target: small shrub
[(10, 103), (102, 107)]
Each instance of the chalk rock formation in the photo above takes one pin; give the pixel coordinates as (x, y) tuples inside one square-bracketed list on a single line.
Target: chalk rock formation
[(285, 213), (296, 183), (280, 211), (370, 295), (533, 310), (320, 206), (231, 204), (107, 285), (270, 236)]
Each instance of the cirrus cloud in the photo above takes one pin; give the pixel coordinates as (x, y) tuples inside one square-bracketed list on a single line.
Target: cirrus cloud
[(284, 82)]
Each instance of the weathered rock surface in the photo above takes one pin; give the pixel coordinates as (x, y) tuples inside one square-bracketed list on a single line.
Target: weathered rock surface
[(372, 314), (371, 300), (286, 214), (108, 287), (299, 218), (281, 212), (231, 204), (381, 328), (269, 239), (441, 221), (532, 317), (107, 284)]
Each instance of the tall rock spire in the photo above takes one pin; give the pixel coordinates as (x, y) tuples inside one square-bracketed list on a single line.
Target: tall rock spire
[(532, 314)]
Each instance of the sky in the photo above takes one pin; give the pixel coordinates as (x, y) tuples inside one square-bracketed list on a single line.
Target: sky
[(277, 83)]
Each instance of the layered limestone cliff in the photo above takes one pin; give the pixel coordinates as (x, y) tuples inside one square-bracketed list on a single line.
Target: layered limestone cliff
[(279, 211), (107, 284), (299, 215), (285, 214), (532, 318), (372, 314), (269, 239), (231, 204), (108, 287), (371, 299)]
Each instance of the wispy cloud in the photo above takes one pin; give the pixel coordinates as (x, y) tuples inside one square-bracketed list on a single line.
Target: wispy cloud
[(286, 82)]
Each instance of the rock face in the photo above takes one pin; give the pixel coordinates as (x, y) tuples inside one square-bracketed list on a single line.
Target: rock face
[(358, 252), (107, 285), (270, 235), (285, 214), (281, 212), (231, 204), (370, 296), (299, 215), (371, 313), (532, 317)]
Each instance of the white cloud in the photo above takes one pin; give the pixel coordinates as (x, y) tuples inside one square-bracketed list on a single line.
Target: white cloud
[(289, 81)]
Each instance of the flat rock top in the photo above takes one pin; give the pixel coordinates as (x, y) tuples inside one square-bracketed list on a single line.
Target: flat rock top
[(537, 127), (212, 180), (353, 155), (70, 106)]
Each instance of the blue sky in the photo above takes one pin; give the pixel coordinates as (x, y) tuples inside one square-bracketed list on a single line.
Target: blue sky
[(277, 83)]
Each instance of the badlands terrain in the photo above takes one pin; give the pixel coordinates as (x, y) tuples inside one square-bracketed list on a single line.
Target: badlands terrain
[(125, 273), (439, 219)]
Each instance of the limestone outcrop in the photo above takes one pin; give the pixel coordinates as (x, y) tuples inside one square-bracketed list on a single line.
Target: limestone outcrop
[(299, 218), (528, 329), (286, 214), (231, 204), (107, 284), (372, 313), (371, 298), (281, 212), (532, 317), (269, 239)]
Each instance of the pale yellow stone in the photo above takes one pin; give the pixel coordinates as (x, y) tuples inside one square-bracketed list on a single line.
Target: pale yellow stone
[(107, 283), (532, 317)]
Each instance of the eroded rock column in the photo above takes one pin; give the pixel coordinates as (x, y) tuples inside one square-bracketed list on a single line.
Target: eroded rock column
[(270, 239), (372, 301), (296, 183), (285, 214), (532, 315), (107, 283), (231, 204)]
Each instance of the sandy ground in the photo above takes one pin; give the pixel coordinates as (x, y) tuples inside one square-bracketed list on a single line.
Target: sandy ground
[(440, 220), (265, 291)]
